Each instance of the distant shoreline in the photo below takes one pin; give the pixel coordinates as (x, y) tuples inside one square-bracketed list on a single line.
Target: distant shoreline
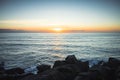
[(76, 31)]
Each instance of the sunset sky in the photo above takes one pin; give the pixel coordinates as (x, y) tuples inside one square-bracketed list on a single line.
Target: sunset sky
[(65, 15)]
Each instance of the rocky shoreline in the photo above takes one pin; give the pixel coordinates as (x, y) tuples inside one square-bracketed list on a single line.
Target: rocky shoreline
[(68, 69)]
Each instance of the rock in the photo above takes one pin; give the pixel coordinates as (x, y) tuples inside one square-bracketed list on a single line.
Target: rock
[(15, 71), (54, 75), (7, 77), (114, 63), (87, 76), (94, 76), (79, 78), (43, 67), (71, 59), (59, 63), (51, 74), (13, 76), (69, 71), (117, 74), (31, 77), (108, 73), (65, 72), (83, 65), (82, 76), (69, 68), (109, 69), (105, 72)]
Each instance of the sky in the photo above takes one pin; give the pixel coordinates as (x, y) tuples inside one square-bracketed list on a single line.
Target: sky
[(69, 15)]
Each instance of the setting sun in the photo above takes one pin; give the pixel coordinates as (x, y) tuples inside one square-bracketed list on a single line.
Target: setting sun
[(57, 29)]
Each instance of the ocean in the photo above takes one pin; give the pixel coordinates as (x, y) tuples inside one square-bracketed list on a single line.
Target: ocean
[(32, 49)]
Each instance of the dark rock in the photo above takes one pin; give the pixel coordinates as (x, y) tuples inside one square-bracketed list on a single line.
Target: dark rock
[(71, 59), (105, 72), (94, 76), (28, 76), (7, 77), (69, 71), (87, 76), (83, 65), (15, 71), (72, 68), (114, 63), (13, 76), (56, 75), (79, 78), (65, 72), (47, 75), (117, 74), (59, 63), (82, 76), (43, 67), (109, 69), (108, 73)]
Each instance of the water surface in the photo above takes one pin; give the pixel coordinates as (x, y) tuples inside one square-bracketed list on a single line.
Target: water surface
[(27, 49)]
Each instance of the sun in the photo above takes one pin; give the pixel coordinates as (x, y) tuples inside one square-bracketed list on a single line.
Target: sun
[(57, 29)]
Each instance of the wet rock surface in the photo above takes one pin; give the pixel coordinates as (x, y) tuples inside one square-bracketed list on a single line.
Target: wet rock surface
[(43, 67), (68, 69)]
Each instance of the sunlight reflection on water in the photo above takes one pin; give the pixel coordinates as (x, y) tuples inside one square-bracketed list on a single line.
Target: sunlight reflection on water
[(26, 49)]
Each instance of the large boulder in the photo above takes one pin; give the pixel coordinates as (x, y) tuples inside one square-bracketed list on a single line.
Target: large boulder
[(13, 76), (15, 71), (69, 71), (105, 72), (51, 74), (59, 63), (117, 74), (114, 63), (88, 76), (43, 67), (71, 59), (82, 76), (65, 72), (54, 75), (83, 65)]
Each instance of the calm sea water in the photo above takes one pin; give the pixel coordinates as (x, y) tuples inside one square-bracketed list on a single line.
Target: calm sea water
[(28, 49)]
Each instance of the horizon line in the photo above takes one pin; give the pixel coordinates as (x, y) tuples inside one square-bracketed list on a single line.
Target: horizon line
[(45, 31)]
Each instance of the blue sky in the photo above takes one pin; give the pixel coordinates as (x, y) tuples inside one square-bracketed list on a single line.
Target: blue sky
[(59, 12)]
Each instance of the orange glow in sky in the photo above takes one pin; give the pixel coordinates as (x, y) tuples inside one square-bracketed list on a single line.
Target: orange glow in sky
[(60, 15), (57, 29)]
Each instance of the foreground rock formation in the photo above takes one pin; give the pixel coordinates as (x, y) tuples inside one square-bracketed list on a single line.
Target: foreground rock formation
[(68, 69)]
